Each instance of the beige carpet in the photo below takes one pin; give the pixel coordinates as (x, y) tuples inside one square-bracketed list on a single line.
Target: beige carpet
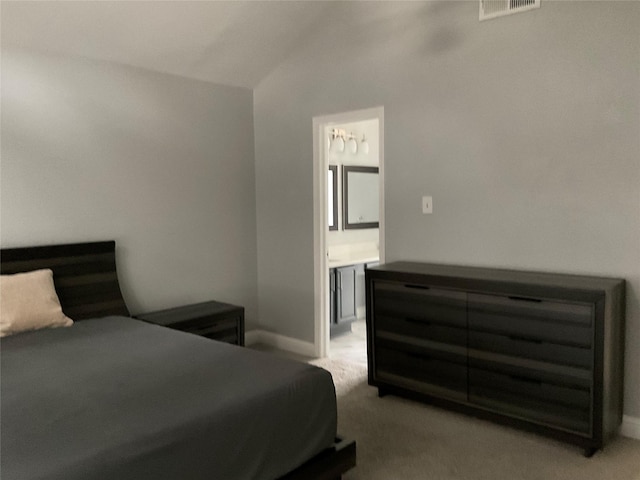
[(402, 439)]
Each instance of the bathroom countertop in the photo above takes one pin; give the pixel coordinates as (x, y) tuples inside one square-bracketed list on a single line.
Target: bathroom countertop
[(353, 259)]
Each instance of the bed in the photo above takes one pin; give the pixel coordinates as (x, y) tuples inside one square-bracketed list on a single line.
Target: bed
[(112, 397)]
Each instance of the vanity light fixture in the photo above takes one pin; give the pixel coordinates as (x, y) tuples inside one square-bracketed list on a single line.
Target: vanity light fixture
[(339, 139)]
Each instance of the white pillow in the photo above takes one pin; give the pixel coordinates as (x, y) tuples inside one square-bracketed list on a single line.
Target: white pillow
[(28, 301)]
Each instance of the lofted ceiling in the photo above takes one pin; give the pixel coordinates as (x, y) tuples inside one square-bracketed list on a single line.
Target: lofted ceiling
[(228, 42)]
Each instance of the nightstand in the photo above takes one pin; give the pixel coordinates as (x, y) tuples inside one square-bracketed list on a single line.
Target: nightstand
[(216, 320)]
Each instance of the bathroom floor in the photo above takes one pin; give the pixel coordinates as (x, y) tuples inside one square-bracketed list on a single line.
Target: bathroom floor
[(351, 346)]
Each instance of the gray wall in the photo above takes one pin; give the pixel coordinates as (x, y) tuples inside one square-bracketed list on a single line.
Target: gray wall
[(525, 130), (161, 164)]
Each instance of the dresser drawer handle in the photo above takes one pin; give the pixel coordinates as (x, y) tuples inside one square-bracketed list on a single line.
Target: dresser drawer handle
[(418, 287), (525, 299), (519, 378), (418, 320), (525, 339)]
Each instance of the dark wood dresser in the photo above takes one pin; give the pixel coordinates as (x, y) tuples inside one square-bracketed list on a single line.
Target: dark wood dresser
[(215, 320), (539, 351)]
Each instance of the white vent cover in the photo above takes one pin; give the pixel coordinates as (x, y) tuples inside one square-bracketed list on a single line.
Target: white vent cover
[(498, 8)]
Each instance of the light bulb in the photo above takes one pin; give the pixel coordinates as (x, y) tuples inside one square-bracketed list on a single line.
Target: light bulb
[(353, 145), (364, 145), (338, 144)]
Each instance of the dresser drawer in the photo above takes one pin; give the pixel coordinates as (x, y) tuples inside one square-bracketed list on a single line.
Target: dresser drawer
[(529, 397), (542, 320), (225, 330), (531, 347), (420, 303), (413, 327), (428, 371), (572, 377)]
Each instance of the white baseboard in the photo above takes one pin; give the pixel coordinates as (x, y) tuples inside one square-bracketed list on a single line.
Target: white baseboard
[(252, 337), (630, 427), (280, 341)]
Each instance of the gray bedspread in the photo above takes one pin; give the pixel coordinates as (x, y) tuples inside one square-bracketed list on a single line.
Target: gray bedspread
[(118, 399)]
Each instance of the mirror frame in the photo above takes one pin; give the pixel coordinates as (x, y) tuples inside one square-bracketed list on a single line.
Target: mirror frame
[(334, 169), (346, 169)]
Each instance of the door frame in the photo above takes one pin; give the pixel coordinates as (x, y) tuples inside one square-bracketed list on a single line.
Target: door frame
[(321, 218)]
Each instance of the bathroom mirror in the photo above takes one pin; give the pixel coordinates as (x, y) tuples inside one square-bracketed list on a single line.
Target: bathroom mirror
[(332, 197), (360, 197)]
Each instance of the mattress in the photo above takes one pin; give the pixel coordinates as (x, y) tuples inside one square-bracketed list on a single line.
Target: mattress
[(116, 398)]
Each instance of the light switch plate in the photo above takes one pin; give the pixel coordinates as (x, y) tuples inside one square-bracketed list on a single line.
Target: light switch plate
[(427, 205)]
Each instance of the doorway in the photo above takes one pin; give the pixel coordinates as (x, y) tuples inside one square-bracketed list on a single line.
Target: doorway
[(348, 158)]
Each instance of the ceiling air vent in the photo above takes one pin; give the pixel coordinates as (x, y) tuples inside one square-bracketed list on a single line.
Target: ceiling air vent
[(498, 8)]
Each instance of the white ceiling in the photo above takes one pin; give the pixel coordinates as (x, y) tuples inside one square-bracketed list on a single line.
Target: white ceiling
[(228, 42)]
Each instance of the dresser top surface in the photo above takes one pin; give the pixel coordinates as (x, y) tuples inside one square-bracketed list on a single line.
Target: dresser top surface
[(189, 312), (453, 272)]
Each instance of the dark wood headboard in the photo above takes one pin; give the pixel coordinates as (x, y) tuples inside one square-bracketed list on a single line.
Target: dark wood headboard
[(84, 275)]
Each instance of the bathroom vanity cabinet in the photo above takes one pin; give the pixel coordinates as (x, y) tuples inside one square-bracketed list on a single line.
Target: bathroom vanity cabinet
[(345, 289)]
